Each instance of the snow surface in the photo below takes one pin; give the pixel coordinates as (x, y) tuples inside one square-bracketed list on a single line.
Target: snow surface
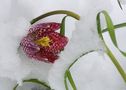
[(91, 72), (123, 1)]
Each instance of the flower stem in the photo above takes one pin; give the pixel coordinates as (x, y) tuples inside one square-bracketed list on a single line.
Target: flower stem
[(68, 13)]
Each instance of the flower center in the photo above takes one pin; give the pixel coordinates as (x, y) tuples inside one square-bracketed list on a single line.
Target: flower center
[(45, 41)]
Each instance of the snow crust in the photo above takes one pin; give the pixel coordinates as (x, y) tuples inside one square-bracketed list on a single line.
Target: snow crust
[(123, 1), (91, 72), (14, 64)]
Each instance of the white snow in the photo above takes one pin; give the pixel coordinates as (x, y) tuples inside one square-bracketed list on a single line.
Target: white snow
[(122, 1), (14, 64), (91, 72), (84, 39)]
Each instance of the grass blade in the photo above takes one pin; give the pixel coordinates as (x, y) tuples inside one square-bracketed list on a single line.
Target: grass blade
[(111, 30), (34, 81), (119, 4), (71, 80), (109, 53), (62, 29), (68, 13)]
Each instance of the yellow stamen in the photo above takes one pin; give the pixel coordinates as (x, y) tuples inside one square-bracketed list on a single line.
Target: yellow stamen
[(45, 41)]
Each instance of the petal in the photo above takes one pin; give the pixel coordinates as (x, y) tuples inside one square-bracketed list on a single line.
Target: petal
[(58, 43), (29, 46), (45, 56), (45, 27)]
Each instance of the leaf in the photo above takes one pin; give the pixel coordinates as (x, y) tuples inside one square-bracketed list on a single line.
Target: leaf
[(62, 29), (34, 81), (68, 75), (119, 4), (110, 27), (109, 53), (121, 25), (65, 81), (111, 30), (71, 80)]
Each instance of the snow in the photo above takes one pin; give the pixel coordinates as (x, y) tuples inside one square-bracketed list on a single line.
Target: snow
[(122, 1), (84, 39), (91, 72), (14, 64)]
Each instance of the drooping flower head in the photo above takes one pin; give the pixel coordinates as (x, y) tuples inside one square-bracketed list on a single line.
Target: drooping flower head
[(43, 43)]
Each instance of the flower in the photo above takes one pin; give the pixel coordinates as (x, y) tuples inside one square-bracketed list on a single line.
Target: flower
[(43, 43)]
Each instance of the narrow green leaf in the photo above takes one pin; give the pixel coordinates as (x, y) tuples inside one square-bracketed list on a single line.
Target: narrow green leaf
[(15, 87), (71, 65), (65, 81), (62, 29), (121, 25), (123, 53), (119, 4), (71, 80), (111, 30), (110, 27), (116, 63), (109, 53), (34, 81)]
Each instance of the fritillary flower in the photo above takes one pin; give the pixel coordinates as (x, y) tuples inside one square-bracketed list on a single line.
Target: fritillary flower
[(43, 43)]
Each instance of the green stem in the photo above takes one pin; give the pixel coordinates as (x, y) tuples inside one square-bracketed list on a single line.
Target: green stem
[(68, 13), (34, 81), (116, 63)]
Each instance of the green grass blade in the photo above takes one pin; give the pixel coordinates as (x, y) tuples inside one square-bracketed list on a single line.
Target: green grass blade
[(68, 13), (71, 80), (62, 29), (119, 4), (65, 81), (110, 27), (109, 53), (116, 63), (34, 81), (111, 30), (121, 25), (66, 75)]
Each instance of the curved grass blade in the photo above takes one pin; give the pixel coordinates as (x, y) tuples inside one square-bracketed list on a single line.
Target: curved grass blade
[(34, 81), (62, 29), (111, 30), (68, 13), (121, 25), (109, 53), (68, 70), (69, 76), (119, 4), (65, 81)]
